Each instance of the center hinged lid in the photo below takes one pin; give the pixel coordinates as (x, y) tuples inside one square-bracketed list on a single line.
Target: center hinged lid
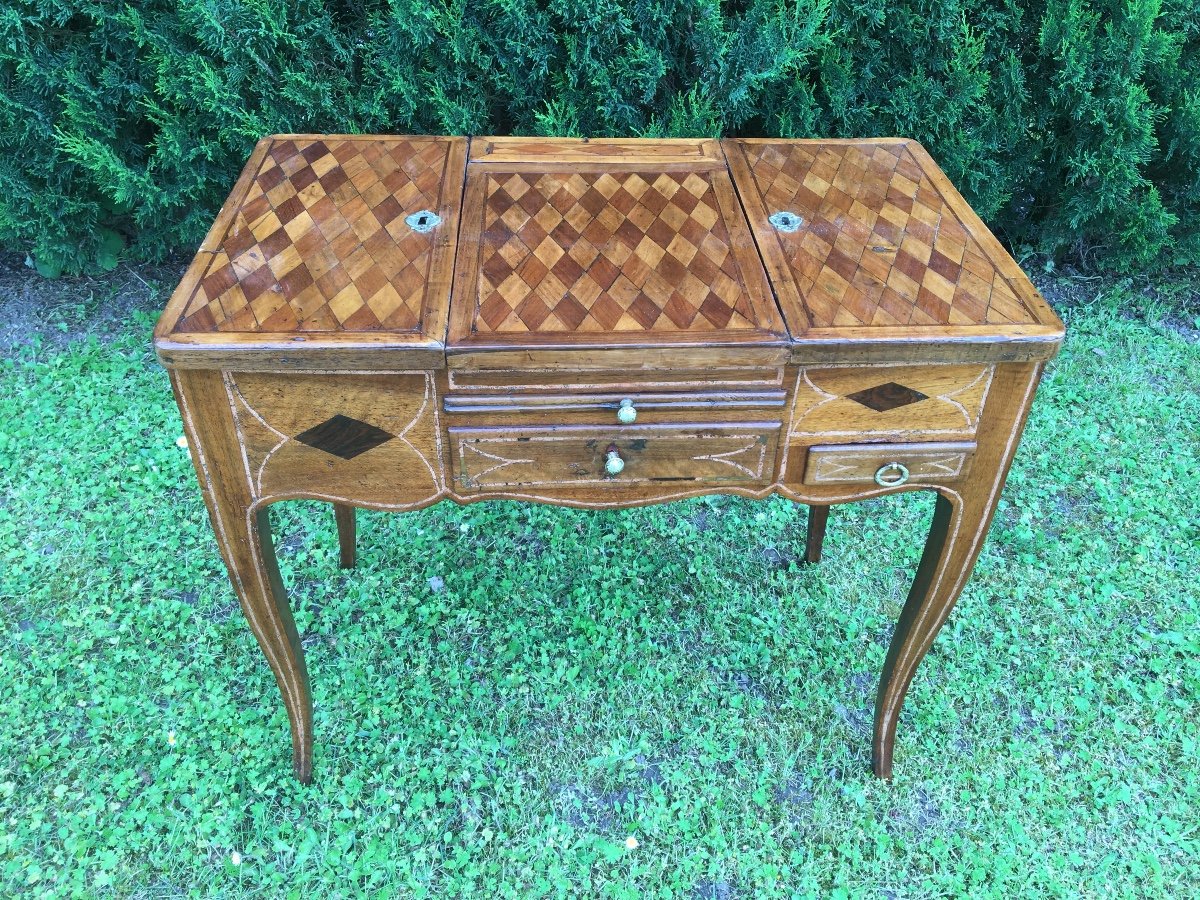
[(570, 245)]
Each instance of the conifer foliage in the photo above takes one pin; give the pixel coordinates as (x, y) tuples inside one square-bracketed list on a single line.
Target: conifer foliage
[(1072, 125)]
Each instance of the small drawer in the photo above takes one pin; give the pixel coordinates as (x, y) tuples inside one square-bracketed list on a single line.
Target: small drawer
[(582, 379), (571, 455), (604, 408), (888, 465)]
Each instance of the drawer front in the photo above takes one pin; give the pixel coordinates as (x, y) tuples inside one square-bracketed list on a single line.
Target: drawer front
[(571, 455), (925, 402), (613, 409), (888, 465), (524, 380)]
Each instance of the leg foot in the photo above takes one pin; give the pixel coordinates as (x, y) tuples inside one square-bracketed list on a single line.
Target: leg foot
[(815, 539), (345, 516)]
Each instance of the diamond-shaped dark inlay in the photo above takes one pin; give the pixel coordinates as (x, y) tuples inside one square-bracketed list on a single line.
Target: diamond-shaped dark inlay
[(345, 437), (883, 397)]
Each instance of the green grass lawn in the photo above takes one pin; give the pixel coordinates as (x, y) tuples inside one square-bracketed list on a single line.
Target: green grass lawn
[(506, 694)]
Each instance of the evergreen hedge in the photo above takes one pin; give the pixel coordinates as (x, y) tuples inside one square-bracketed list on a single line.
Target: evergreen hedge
[(1072, 126)]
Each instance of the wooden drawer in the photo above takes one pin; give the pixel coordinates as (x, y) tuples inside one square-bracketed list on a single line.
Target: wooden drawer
[(581, 378), (571, 455), (894, 464), (613, 408)]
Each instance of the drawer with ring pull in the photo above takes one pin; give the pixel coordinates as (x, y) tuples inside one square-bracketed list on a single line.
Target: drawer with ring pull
[(888, 465)]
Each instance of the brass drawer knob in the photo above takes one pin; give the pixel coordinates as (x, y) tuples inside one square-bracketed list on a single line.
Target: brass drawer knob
[(626, 413), (891, 475), (613, 464)]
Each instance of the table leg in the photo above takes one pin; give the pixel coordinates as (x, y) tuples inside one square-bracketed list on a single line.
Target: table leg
[(345, 516), (255, 573), (244, 536), (960, 524), (955, 538), (815, 538)]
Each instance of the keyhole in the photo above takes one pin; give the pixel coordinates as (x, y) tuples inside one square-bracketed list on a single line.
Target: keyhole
[(785, 221), (423, 221)]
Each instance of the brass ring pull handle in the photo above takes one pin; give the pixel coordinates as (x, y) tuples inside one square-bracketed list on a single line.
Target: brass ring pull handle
[(893, 474), (613, 464)]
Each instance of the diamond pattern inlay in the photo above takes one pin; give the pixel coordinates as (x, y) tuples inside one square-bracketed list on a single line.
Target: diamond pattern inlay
[(878, 245), (343, 436), (320, 242), (572, 252), (883, 397)]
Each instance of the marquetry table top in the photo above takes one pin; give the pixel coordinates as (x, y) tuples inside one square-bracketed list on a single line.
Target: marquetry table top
[(411, 250)]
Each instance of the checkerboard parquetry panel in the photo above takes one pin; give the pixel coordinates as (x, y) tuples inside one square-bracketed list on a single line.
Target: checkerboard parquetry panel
[(571, 252), (878, 244), (319, 242)]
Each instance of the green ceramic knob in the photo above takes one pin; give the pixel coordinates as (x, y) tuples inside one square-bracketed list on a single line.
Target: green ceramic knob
[(626, 414), (613, 464)]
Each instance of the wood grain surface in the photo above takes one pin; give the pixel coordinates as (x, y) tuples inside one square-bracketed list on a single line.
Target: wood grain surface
[(603, 243), (935, 461), (315, 243), (886, 250), (670, 455)]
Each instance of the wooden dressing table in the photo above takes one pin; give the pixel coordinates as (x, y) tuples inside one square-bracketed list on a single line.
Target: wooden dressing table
[(386, 322)]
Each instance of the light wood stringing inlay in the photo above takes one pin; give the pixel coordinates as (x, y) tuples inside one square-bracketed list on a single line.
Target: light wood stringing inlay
[(858, 463), (271, 410), (956, 395), (568, 456)]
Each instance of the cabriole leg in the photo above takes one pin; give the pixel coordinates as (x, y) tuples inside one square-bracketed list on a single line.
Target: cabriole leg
[(265, 603), (244, 537), (960, 523), (955, 538)]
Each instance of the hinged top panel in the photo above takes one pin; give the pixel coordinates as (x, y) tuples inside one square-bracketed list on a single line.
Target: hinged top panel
[(868, 242), (339, 251), (334, 242), (573, 244)]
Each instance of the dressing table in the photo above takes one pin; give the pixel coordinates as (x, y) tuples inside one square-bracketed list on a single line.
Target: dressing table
[(390, 321)]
